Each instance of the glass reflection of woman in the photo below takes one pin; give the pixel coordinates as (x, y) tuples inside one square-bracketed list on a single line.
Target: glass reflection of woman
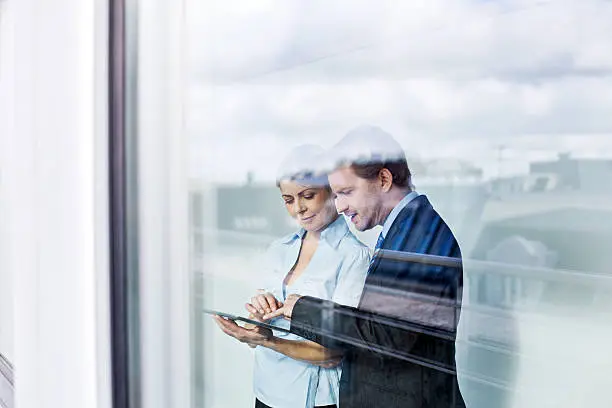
[(322, 259)]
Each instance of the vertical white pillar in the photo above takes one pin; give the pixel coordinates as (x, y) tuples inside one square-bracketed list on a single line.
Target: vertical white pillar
[(55, 175), (7, 104), (165, 305)]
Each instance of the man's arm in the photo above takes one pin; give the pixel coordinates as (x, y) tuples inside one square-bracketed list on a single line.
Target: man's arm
[(393, 332), (342, 327)]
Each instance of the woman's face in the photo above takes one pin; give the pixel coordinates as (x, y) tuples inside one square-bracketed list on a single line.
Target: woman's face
[(312, 207)]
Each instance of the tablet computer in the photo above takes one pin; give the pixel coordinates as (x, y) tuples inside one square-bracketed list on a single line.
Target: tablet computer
[(235, 318)]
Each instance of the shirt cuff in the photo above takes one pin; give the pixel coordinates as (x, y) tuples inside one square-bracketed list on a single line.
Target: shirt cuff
[(306, 318)]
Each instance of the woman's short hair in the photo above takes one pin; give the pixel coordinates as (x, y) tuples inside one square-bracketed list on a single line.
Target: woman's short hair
[(301, 165)]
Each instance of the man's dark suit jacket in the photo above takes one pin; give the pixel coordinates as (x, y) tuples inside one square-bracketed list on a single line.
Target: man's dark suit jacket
[(404, 328)]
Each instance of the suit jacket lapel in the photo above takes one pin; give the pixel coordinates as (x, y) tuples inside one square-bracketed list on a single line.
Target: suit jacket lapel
[(402, 235)]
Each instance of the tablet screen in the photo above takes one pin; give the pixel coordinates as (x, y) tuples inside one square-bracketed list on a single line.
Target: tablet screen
[(229, 316)]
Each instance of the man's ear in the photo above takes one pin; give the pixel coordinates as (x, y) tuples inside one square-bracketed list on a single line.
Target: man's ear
[(386, 179)]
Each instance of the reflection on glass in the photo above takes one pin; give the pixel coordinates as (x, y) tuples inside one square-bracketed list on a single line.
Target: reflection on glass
[(506, 129)]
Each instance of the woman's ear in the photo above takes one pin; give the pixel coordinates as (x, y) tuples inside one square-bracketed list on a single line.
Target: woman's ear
[(386, 179)]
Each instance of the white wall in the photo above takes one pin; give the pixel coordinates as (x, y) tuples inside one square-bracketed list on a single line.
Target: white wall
[(54, 200), (6, 129)]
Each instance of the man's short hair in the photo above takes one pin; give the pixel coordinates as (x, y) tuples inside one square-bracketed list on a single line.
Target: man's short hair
[(398, 168), (367, 150)]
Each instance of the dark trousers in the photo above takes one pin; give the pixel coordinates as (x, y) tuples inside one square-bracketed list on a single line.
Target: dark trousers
[(259, 404)]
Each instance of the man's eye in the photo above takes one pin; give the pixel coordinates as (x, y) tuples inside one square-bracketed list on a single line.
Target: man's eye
[(309, 196), (288, 202)]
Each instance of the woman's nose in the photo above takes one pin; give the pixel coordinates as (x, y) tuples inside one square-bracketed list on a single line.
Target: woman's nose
[(298, 207)]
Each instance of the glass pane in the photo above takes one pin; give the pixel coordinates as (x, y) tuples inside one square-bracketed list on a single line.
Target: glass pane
[(502, 110)]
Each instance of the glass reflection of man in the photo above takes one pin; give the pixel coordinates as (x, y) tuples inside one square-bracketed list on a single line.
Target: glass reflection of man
[(398, 343)]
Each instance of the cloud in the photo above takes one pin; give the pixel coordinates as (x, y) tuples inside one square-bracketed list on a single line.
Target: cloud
[(270, 74)]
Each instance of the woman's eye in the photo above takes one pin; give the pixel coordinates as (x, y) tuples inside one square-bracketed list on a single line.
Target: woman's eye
[(309, 196), (287, 202)]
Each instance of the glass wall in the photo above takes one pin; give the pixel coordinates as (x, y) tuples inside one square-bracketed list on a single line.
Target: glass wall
[(503, 111)]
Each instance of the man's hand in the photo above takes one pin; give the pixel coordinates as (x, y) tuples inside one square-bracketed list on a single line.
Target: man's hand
[(286, 310), (255, 336)]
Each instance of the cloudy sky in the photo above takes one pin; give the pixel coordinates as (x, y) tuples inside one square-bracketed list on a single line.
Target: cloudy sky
[(449, 79)]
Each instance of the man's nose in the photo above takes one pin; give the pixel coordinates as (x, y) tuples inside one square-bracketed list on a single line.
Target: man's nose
[(340, 205)]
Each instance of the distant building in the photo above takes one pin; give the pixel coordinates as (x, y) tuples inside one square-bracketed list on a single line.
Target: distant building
[(563, 174), (579, 174), (446, 171), (561, 207)]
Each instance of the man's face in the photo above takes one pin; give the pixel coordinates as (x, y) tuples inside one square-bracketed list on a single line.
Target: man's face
[(357, 198)]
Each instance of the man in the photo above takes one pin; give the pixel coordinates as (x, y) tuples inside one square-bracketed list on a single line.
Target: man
[(398, 344)]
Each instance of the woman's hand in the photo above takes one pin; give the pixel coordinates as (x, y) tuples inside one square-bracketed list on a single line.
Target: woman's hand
[(254, 337), (262, 304), (285, 310)]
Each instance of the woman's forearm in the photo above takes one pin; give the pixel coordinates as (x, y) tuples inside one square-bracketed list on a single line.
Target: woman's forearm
[(304, 350)]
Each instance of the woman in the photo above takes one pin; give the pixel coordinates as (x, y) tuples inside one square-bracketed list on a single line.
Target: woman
[(323, 259)]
